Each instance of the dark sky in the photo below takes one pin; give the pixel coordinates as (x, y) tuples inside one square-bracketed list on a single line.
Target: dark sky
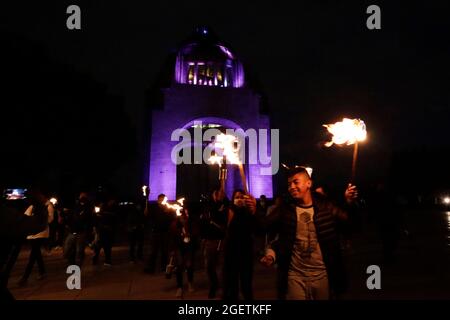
[(316, 62)]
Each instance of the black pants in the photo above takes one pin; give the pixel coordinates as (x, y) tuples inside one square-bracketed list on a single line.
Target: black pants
[(136, 239), (158, 244), (105, 242), (9, 251), (238, 269), (52, 235), (35, 256), (74, 246), (60, 230), (212, 252), (184, 259)]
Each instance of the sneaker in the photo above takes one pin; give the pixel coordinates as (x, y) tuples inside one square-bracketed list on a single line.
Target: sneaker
[(179, 293), (191, 288)]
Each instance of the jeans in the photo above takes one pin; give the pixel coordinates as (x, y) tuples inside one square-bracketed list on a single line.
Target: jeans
[(136, 238), (158, 244), (105, 241), (35, 256), (212, 252), (9, 251), (300, 288), (238, 272), (74, 248), (184, 259)]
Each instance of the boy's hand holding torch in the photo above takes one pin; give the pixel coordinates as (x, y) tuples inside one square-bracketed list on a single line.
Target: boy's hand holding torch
[(250, 203), (351, 193)]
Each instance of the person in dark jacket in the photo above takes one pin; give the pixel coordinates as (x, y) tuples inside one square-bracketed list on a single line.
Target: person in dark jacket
[(260, 237), (79, 222), (104, 225), (136, 229), (14, 228), (307, 249), (213, 222), (181, 248), (160, 220), (238, 249)]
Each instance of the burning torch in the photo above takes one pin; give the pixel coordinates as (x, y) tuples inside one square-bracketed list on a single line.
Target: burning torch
[(228, 147), (53, 201), (144, 190), (348, 131), (177, 206)]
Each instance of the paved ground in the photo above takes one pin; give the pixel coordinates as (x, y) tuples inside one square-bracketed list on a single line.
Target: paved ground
[(421, 271)]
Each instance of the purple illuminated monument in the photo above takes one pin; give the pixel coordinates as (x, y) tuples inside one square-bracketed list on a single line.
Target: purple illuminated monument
[(207, 85)]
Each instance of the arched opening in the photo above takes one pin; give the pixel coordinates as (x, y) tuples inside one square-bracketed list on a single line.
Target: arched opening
[(197, 180)]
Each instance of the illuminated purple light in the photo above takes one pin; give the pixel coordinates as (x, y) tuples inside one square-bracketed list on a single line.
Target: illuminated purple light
[(182, 69), (163, 173), (227, 52)]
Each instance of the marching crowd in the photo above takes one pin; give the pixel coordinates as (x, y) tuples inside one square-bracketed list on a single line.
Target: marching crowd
[(301, 234)]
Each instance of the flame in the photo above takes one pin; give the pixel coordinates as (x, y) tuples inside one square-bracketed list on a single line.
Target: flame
[(144, 188), (97, 209), (225, 144), (177, 206), (54, 201), (348, 131)]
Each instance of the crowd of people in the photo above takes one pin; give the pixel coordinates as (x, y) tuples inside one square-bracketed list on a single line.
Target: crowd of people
[(301, 233)]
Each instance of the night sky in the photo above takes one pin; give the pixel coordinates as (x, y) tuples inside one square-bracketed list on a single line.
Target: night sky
[(74, 102)]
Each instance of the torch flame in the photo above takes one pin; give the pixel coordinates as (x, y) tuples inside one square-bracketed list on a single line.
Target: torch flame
[(348, 131), (228, 147), (54, 201), (177, 206)]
